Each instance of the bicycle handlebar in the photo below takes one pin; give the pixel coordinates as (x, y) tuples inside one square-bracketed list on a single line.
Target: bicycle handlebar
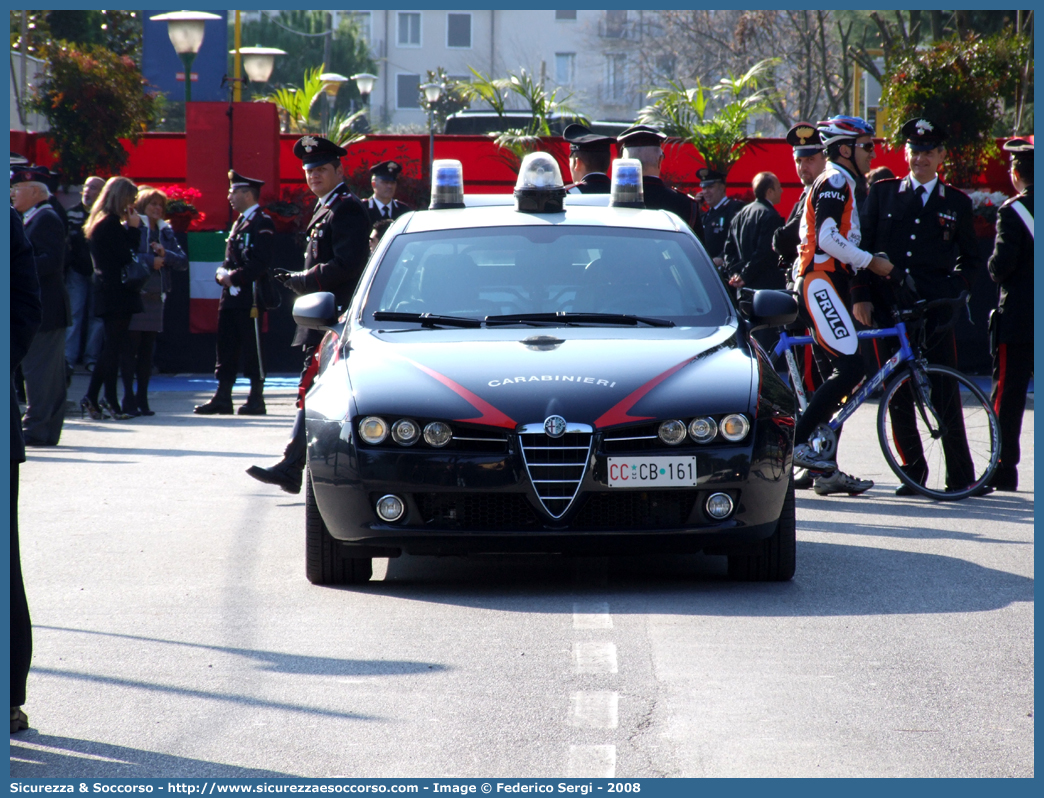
[(922, 306)]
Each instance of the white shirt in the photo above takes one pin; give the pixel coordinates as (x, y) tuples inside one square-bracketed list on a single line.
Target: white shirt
[(325, 197), (927, 187)]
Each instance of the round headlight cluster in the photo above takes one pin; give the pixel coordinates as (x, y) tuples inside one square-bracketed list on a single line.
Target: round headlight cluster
[(734, 427), (405, 432), (672, 432), (703, 430)]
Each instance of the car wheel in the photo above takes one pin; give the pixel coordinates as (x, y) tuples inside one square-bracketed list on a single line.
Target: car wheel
[(777, 555), (324, 562)]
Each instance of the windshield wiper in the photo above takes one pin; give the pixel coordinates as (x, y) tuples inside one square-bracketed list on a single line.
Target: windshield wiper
[(578, 318), (427, 319)]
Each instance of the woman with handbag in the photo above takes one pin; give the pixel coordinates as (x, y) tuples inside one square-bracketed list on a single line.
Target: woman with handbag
[(160, 252), (113, 233)]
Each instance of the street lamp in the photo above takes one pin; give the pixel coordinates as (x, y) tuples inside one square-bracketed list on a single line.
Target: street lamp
[(258, 62), (331, 85), (364, 82), (432, 92), (185, 29)]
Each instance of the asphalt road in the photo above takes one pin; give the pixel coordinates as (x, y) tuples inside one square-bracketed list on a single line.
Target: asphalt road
[(175, 634)]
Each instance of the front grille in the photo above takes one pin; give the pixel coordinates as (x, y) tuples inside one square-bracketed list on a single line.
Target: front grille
[(635, 509), (638, 438), (476, 511), (556, 466), (477, 439)]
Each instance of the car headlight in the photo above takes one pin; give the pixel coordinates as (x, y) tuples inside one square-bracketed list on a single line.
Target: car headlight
[(703, 430), (672, 432), (438, 434), (373, 429), (734, 427), (405, 432)]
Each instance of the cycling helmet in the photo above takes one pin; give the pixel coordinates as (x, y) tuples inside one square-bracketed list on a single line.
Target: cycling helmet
[(842, 129)]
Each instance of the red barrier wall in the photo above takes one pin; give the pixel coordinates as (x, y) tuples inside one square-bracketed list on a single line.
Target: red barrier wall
[(160, 158)]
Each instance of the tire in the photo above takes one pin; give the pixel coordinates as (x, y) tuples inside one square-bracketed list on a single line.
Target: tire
[(980, 423), (777, 558), (324, 563)]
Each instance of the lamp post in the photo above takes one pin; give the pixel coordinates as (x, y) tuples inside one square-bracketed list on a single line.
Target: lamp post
[(185, 29), (364, 82), (331, 85), (432, 92)]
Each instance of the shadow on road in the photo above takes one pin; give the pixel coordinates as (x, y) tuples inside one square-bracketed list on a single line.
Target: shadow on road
[(35, 755)]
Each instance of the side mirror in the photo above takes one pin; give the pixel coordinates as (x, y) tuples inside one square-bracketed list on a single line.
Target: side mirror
[(770, 308), (316, 311)]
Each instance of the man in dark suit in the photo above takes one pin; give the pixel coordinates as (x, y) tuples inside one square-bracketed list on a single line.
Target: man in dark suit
[(644, 143), (248, 257), (384, 180), (26, 312), (1011, 324), (749, 259), (590, 158), (925, 227), (809, 162), (335, 255), (44, 363), (79, 282), (719, 214)]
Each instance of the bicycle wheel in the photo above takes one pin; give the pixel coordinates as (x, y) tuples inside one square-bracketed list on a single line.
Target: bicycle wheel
[(938, 432)]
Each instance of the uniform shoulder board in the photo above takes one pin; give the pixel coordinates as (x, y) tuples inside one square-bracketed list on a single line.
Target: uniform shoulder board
[(836, 179)]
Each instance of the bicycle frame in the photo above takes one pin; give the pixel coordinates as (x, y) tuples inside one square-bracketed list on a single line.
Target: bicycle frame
[(786, 343)]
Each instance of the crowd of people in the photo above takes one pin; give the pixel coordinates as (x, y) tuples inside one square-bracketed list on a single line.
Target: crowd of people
[(852, 237)]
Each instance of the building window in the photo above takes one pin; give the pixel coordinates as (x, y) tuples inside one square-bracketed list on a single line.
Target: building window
[(566, 15), (409, 29), (407, 91), (615, 24), (565, 68), (615, 76), (458, 30)]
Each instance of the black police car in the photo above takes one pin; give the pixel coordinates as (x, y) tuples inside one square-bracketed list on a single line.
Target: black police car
[(545, 377)]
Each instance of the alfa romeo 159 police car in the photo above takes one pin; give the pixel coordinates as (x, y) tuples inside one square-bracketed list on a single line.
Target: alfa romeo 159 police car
[(546, 376)]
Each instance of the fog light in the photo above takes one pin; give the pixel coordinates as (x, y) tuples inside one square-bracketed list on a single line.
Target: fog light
[(672, 432), (735, 427), (373, 429), (438, 434), (406, 432), (703, 430), (719, 506), (390, 508)]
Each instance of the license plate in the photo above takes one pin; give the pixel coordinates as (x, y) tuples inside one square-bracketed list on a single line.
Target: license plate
[(652, 472)]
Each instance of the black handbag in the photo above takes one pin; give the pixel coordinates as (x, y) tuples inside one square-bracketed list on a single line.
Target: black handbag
[(134, 275)]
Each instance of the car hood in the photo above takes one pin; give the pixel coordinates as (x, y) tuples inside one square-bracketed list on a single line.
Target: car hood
[(509, 377)]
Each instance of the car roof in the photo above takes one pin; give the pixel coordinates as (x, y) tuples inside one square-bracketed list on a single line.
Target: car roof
[(505, 215)]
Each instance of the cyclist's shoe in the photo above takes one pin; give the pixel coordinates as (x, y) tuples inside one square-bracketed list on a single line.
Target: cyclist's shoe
[(840, 482), (807, 457), (803, 479)]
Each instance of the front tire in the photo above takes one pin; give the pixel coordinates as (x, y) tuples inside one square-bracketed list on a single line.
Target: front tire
[(776, 558), (324, 561), (928, 474)]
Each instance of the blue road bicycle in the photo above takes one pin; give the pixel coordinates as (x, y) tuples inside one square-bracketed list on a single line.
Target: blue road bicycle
[(912, 417)]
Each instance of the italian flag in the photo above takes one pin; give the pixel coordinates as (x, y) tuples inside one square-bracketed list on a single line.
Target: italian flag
[(206, 253)]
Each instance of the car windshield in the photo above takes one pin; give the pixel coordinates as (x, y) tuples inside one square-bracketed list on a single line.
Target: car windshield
[(508, 271)]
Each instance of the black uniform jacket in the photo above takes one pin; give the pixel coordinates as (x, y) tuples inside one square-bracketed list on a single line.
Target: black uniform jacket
[(934, 241), (1011, 265), (593, 183), (716, 223), (46, 232), (397, 210), (25, 319), (336, 251), (659, 197), (786, 239), (748, 250), (78, 258), (248, 257), (112, 245)]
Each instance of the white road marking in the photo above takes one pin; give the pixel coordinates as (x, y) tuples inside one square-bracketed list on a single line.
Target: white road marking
[(594, 657), (594, 710), (592, 761), (592, 615)]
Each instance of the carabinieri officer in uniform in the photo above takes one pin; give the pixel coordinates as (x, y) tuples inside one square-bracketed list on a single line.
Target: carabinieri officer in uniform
[(334, 258), (590, 157), (384, 180), (925, 227), (717, 219), (248, 256)]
